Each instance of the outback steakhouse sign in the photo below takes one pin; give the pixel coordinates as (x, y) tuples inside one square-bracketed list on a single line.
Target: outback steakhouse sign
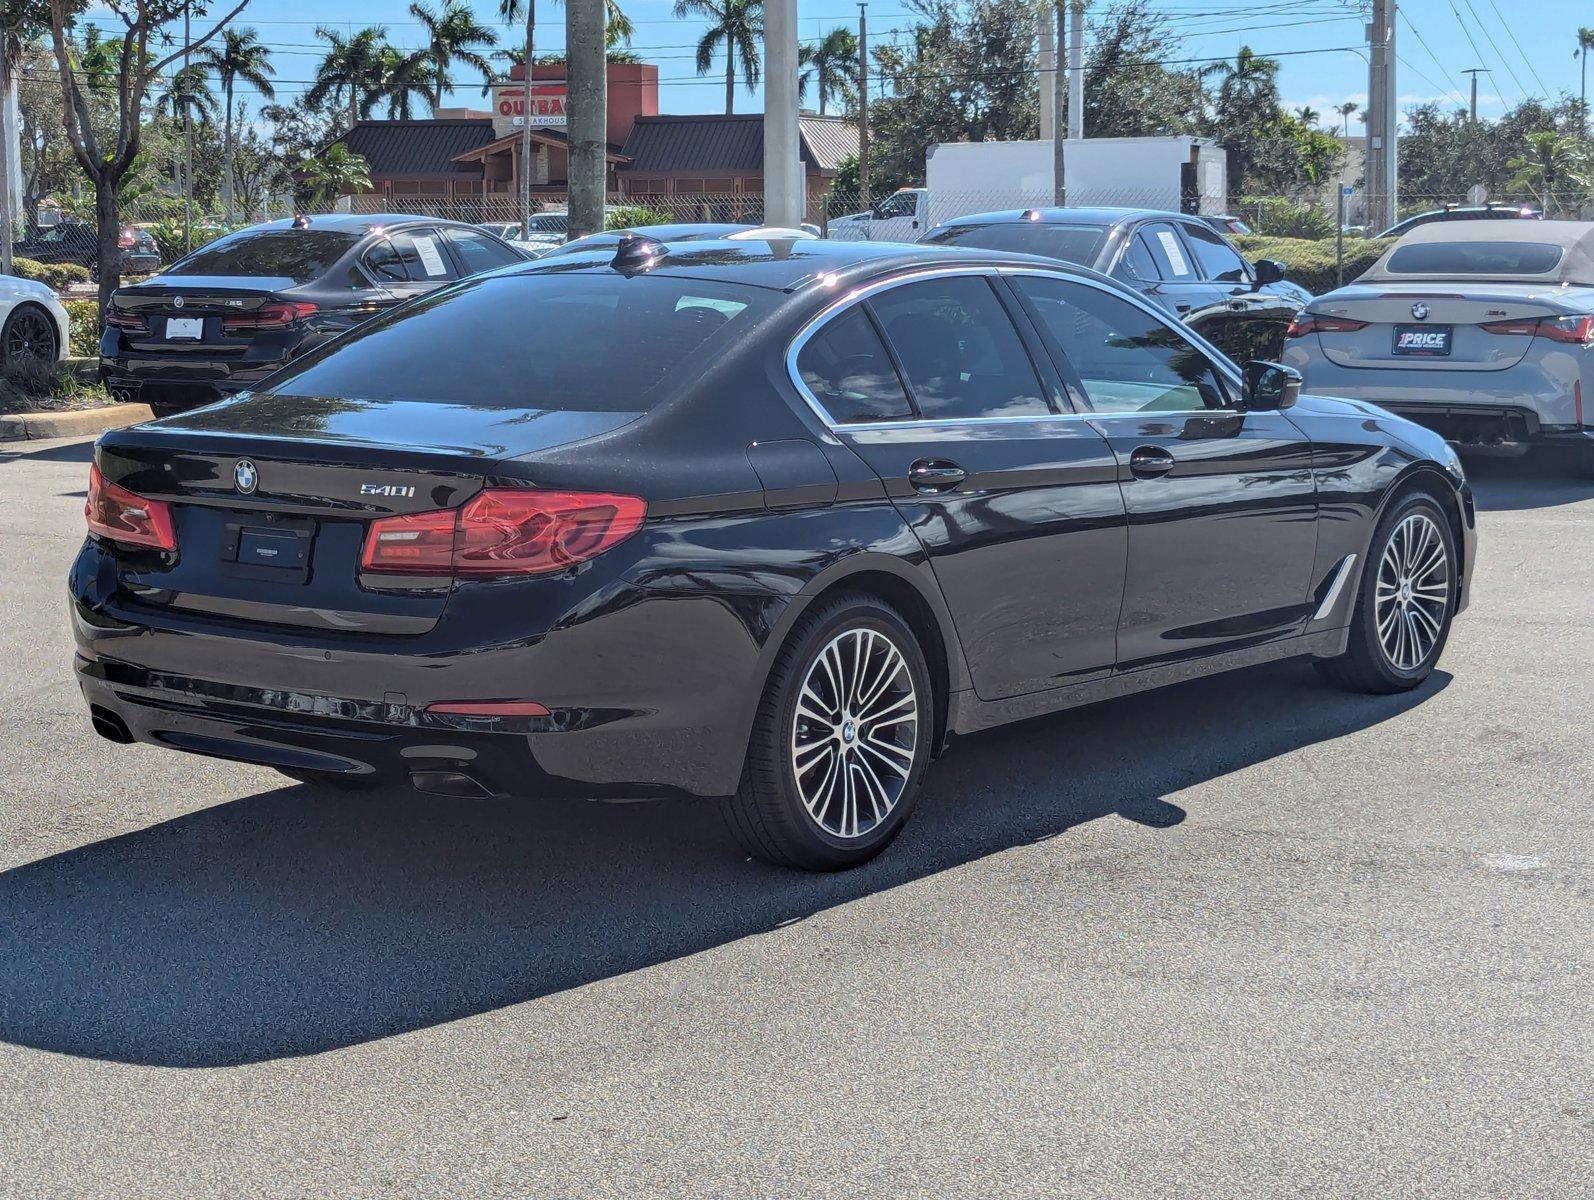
[(509, 106)]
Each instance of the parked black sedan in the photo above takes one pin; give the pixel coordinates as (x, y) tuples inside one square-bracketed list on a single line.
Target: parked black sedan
[(763, 522), (72, 241), (1177, 261), (232, 312)]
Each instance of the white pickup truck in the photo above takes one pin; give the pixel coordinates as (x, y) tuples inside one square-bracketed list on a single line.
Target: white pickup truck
[(902, 216)]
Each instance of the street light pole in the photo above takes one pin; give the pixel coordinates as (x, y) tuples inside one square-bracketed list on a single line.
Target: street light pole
[(783, 181), (863, 105), (586, 59)]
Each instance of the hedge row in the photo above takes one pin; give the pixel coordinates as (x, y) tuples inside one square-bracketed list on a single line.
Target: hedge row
[(55, 275), (85, 317), (1311, 263)]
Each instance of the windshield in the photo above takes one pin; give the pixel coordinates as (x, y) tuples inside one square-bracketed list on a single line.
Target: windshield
[(579, 341), (550, 223), (297, 254), (1071, 243), (1474, 258)]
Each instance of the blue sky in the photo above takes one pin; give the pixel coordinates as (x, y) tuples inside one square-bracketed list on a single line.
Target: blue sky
[(1437, 39)]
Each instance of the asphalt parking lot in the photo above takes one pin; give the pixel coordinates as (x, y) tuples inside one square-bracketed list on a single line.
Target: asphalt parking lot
[(1248, 936)]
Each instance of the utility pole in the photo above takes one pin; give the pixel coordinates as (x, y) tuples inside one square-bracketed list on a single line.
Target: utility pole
[(863, 104), (188, 138), (1059, 96), (586, 75), (1473, 108), (783, 173), (525, 120), (1046, 62), (1076, 70), (1383, 152), (7, 115)]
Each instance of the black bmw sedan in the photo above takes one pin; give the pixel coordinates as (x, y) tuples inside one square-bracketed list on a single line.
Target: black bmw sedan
[(232, 312), (767, 523)]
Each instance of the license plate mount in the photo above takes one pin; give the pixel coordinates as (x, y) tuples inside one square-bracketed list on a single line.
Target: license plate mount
[(185, 329), (1423, 341)]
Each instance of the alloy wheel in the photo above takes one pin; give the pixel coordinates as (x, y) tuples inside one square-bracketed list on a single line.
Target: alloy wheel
[(29, 338), (855, 732), (1412, 592)]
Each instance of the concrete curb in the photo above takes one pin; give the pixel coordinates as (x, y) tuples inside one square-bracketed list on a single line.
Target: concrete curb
[(75, 423)]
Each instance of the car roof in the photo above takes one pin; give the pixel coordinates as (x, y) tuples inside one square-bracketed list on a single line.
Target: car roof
[(1576, 239), (787, 264), (1102, 215), (359, 223)]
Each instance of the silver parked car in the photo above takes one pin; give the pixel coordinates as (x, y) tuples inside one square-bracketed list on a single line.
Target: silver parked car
[(1483, 331)]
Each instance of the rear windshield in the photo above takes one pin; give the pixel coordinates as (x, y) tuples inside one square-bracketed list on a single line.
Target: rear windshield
[(1071, 243), (297, 254), (1474, 258), (579, 341)]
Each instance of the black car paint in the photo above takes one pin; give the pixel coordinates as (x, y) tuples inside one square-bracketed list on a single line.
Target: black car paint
[(78, 242), (652, 656), (174, 375)]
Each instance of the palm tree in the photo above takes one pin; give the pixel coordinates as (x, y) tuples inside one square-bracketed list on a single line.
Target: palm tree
[(452, 33), (239, 55), (336, 171), (1249, 77), (353, 72), (739, 24), (1307, 115), (405, 79), (1551, 161), (1345, 110), (1585, 43), (833, 63)]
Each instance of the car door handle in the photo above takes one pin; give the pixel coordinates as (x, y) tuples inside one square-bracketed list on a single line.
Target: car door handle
[(935, 475), (1149, 462)]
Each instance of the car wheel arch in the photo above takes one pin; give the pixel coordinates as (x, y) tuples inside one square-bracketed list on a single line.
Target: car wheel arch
[(1431, 480)]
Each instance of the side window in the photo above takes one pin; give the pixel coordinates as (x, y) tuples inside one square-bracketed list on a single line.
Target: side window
[(383, 262), (1127, 360), (423, 256), (960, 353), (1138, 260), (849, 372), (479, 252), (1216, 257), (1168, 252)]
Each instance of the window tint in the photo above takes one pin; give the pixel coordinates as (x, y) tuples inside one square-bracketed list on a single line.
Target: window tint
[(1071, 243), (1127, 359), (297, 254), (423, 256), (584, 342), (1168, 252), (478, 252), (1474, 258), (959, 350), (384, 263), (1139, 260), (1215, 256), (849, 372), (898, 204)]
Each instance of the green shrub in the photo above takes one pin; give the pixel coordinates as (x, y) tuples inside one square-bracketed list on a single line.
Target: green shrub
[(85, 315), (631, 216), (1285, 218), (53, 275), (1310, 263)]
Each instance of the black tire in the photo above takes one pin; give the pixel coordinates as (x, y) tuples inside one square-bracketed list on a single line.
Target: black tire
[(1367, 665), (29, 337), (768, 815), (336, 781)]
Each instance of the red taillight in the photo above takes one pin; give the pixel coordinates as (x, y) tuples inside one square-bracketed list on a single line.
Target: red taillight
[(267, 316), (123, 319), (1576, 331), (122, 516), (1306, 323), (503, 532), (126, 239)]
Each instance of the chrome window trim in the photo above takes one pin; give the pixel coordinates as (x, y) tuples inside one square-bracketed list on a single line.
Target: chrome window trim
[(1219, 362)]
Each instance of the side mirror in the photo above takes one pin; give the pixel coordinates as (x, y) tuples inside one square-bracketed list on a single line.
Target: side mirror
[(1270, 386), (1268, 270)]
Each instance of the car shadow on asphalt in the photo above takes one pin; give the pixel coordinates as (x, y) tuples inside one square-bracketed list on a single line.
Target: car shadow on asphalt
[(299, 920), (78, 451), (1533, 481)]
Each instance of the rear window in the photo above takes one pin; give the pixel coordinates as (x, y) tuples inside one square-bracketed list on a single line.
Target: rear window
[(297, 254), (1474, 258), (1071, 243), (559, 340)]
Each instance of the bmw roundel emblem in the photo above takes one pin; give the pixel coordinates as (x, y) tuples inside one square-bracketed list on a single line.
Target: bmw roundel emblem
[(245, 476), (177, 301), (1420, 311)]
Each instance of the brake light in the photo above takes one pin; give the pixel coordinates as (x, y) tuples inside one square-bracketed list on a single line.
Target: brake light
[(122, 319), (267, 316), (503, 532), (1306, 322), (1576, 331), (126, 239), (122, 516)]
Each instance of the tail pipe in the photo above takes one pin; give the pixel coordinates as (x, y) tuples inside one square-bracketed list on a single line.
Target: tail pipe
[(109, 726)]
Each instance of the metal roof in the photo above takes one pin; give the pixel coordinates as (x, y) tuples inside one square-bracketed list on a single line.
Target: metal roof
[(664, 145), (417, 148)]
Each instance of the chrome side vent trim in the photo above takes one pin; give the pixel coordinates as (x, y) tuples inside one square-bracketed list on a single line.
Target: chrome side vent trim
[(1334, 588)]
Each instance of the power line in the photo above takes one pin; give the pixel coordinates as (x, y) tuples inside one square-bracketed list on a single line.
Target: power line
[(1534, 71)]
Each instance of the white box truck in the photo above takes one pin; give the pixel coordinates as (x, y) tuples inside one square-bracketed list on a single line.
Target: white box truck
[(1176, 173)]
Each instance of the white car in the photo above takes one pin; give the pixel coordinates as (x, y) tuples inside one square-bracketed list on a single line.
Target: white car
[(1481, 330), (902, 216), (34, 325)]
